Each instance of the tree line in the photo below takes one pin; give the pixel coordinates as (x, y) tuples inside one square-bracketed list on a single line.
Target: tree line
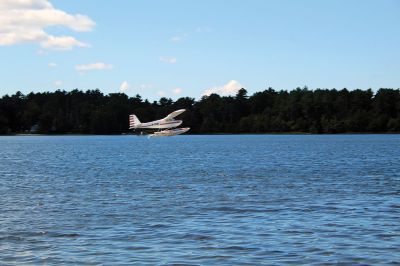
[(268, 111)]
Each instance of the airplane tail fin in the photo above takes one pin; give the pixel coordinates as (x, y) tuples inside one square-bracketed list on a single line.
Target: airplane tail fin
[(133, 121)]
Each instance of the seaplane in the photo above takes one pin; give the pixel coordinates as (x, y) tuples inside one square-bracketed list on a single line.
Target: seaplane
[(166, 126)]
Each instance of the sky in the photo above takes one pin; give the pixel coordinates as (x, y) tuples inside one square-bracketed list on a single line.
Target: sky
[(180, 48)]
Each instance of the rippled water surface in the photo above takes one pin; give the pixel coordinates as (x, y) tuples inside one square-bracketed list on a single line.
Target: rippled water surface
[(200, 200)]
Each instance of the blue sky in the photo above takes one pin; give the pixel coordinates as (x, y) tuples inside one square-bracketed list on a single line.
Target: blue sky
[(188, 48)]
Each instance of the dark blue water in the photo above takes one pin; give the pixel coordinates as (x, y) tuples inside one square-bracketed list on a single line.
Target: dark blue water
[(201, 200)]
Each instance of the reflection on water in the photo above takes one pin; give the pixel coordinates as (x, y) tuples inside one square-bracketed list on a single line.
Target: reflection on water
[(257, 199)]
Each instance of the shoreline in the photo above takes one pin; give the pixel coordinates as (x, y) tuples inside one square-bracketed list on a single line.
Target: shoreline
[(200, 134)]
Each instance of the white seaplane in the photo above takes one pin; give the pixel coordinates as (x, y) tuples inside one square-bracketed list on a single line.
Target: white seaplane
[(168, 123)]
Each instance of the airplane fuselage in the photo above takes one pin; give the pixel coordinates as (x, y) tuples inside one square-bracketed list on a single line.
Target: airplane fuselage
[(162, 123)]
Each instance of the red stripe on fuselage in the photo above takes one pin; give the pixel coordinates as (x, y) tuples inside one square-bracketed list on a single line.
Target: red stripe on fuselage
[(158, 124)]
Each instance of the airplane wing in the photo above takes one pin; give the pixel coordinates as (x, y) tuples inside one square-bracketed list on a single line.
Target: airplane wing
[(172, 115)]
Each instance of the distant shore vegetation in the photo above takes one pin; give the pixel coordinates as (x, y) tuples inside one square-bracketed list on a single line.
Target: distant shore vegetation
[(269, 111)]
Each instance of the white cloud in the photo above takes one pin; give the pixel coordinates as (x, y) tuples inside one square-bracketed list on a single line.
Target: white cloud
[(230, 88), (25, 21), (51, 64), (93, 66), (62, 43), (58, 83), (161, 93), (168, 59), (177, 91), (124, 87)]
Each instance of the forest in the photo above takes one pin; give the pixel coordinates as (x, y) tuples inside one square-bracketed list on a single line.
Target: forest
[(270, 111)]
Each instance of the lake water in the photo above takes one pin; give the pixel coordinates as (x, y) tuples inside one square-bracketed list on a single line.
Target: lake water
[(200, 200)]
